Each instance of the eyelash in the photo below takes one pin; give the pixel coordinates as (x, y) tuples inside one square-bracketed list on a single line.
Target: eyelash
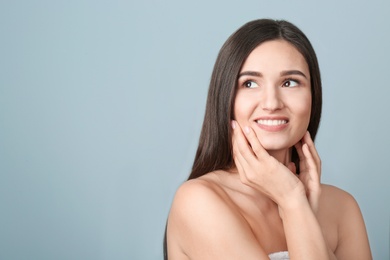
[(297, 81), (248, 81)]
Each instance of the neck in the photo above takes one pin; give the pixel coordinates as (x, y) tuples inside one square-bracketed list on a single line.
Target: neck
[(283, 156)]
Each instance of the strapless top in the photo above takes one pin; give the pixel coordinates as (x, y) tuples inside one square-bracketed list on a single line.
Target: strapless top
[(279, 256)]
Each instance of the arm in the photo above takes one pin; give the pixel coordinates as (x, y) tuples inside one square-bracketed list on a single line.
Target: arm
[(297, 198), (304, 235), (352, 236), (202, 225), (352, 242)]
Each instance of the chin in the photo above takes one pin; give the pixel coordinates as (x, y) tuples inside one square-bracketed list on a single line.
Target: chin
[(275, 146), (279, 141)]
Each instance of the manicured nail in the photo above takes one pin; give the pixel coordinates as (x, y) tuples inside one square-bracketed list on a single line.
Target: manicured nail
[(233, 124), (247, 129)]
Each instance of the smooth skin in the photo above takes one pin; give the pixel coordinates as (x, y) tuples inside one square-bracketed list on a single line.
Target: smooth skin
[(261, 206)]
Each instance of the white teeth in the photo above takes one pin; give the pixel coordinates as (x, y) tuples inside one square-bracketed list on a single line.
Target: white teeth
[(271, 122)]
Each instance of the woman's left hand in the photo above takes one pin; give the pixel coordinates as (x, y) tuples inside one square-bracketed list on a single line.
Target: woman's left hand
[(310, 170)]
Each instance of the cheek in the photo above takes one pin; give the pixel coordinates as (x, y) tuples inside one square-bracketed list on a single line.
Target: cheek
[(303, 112), (242, 107)]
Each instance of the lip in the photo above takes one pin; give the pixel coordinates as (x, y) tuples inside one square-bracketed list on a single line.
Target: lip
[(275, 126)]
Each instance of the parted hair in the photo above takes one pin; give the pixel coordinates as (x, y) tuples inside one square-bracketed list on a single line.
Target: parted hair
[(215, 144), (214, 151)]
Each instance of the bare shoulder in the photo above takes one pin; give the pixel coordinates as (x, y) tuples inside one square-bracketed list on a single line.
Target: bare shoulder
[(341, 209), (198, 194), (198, 189), (338, 201), (330, 192), (199, 203), (202, 224), (338, 206)]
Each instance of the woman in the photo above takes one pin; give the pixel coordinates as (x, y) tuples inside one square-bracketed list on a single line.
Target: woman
[(254, 191)]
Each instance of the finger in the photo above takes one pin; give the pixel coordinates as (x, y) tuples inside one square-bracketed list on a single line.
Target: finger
[(241, 170), (240, 162), (301, 156), (291, 166), (241, 150), (312, 166), (246, 144), (257, 148), (307, 139), (298, 147)]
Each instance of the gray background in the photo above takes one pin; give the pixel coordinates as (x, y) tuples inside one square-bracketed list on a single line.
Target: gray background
[(101, 104)]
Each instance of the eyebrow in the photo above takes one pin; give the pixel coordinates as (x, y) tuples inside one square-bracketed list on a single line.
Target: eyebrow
[(292, 72), (283, 73), (250, 73)]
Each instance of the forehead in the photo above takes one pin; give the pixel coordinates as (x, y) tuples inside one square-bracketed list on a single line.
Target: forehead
[(275, 56)]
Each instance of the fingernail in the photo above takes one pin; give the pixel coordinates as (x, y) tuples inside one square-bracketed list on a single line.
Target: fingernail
[(233, 124), (247, 129)]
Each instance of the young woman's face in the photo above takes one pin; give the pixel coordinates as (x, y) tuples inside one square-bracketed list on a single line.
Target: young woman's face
[(274, 94)]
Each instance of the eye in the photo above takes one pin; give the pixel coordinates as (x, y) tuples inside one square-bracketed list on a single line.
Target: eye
[(290, 83), (250, 84)]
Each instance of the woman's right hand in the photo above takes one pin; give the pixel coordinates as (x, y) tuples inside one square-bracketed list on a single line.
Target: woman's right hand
[(261, 171), (310, 170)]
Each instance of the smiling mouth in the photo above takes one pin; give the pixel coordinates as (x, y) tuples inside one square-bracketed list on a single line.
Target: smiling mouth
[(269, 122)]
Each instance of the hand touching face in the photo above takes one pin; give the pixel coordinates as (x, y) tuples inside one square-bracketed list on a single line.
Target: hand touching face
[(274, 95), (264, 173)]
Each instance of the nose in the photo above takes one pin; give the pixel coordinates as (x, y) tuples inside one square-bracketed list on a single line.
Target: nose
[(271, 99)]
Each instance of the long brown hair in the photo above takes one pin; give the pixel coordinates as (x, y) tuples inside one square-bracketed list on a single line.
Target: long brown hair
[(215, 145)]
